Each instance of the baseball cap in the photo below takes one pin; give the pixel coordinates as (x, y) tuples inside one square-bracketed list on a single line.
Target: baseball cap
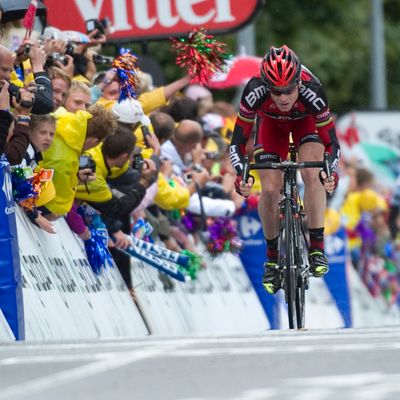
[(130, 111)]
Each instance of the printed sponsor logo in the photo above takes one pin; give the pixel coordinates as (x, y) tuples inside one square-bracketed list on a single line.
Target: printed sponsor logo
[(335, 162), (310, 137), (235, 158), (153, 18), (244, 110), (249, 226), (311, 96), (7, 189), (255, 95), (323, 115), (269, 157)]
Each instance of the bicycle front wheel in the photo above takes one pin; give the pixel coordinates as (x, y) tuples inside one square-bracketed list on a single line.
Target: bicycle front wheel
[(302, 278)]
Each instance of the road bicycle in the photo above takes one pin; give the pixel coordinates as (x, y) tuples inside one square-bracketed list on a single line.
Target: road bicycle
[(294, 269)]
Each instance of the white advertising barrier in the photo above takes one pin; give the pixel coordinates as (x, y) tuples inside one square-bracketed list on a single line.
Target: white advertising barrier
[(63, 298), (220, 301), (366, 310), (373, 126), (320, 309)]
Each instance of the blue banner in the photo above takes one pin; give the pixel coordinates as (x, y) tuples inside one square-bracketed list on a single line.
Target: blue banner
[(336, 250), (11, 302), (253, 256)]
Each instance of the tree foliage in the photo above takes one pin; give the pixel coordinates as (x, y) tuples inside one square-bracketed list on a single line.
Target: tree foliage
[(331, 37)]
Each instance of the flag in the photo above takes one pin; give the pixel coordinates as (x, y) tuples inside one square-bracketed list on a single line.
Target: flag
[(29, 19)]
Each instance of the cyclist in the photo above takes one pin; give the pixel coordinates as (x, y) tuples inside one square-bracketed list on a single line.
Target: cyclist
[(287, 98)]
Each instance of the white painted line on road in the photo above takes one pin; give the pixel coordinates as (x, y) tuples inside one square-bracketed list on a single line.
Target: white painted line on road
[(206, 352), (270, 336), (59, 358), (35, 386), (234, 351), (254, 394)]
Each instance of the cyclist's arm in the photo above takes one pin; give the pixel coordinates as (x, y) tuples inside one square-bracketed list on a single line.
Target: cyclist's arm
[(326, 128), (253, 95)]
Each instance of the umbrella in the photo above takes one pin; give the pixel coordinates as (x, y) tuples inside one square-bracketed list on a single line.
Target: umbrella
[(16, 9), (239, 70), (381, 158)]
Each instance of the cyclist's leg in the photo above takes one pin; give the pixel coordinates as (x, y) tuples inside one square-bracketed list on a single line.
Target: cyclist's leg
[(311, 149), (271, 144)]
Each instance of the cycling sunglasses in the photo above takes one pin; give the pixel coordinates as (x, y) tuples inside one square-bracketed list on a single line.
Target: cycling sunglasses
[(286, 91)]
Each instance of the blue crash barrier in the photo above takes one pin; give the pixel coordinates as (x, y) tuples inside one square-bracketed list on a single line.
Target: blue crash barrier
[(11, 303)]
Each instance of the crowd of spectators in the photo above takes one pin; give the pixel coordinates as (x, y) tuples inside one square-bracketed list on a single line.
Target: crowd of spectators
[(111, 164), (156, 158)]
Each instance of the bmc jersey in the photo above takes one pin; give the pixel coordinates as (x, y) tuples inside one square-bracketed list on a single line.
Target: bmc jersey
[(312, 103)]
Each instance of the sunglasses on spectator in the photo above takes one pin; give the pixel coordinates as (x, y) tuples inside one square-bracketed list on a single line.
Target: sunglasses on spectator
[(286, 91)]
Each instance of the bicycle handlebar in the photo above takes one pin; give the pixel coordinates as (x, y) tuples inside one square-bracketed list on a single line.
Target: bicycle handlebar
[(285, 165)]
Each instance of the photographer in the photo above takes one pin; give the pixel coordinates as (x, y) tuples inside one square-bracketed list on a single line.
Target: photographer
[(14, 143), (41, 85), (112, 160)]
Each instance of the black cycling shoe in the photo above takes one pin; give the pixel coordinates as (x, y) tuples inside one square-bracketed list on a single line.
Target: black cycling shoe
[(318, 263), (271, 280)]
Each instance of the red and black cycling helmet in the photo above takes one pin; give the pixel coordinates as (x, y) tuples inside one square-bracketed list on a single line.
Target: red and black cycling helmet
[(280, 68)]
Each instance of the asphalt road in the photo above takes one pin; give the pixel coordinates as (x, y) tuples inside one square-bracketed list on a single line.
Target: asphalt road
[(307, 365)]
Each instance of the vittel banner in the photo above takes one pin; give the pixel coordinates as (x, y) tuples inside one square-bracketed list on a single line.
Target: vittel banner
[(146, 19)]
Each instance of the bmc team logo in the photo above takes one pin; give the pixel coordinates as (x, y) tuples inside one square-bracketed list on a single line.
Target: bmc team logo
[(146, 19)]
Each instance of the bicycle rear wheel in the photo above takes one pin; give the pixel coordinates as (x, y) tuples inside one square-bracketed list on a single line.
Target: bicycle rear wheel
[(290, 274)]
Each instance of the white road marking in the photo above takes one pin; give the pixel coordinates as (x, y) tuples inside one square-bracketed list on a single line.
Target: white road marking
[(269, 336), (39, 385), (181, 351), (367, 386)]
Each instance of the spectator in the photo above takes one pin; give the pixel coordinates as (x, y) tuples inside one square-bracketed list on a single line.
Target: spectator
[(115, 205), (15, 135), (75, 132), (178, 149), (61, 84), (78, 97), (41, 138)]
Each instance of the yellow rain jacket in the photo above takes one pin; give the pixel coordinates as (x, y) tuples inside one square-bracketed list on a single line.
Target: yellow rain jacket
[(171, 198), (63, 156), (355, 204)]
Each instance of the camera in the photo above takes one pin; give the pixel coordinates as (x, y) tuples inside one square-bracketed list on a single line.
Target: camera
[(87, 162), (188, 178), (99, 59), (145, 133), (59, 57), (13, 91), (137, 162), (92, 24)]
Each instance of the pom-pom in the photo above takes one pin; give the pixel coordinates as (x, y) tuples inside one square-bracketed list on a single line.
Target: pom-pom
[(194, 264), (127, 73), (200, 54), (189, 222), (223, 236), (97, 251), (25, 189)]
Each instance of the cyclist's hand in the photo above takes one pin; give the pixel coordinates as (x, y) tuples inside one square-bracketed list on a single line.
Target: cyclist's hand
[(243, 188), (330, 184)]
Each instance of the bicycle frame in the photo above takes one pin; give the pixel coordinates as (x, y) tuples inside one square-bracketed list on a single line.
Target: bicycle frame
[(293, 248)]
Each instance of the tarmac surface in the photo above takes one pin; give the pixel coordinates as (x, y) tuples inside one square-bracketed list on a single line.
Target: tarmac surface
[(302, 365)]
